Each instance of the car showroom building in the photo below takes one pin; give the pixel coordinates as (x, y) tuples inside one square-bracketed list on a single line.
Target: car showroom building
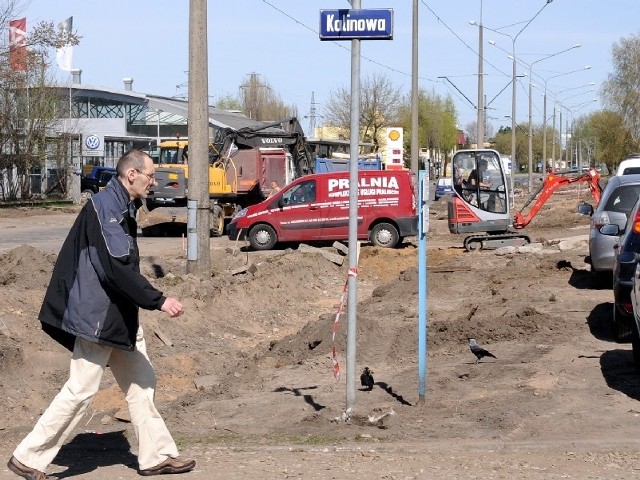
[(102, 123)]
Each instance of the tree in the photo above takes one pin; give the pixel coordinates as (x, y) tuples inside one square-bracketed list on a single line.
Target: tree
[(379, 97), (229, 102), (437, 130), (259, 101), (607, 134), (472, 131), (378, 100), (502, 143), (29, 107), (621, 92)]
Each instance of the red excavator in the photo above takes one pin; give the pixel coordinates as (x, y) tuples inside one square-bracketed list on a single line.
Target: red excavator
[(481, 205)]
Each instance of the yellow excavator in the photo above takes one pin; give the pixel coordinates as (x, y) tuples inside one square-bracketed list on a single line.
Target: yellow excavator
[(243, 164)]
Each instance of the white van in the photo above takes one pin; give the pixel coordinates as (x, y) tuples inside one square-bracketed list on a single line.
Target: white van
[(629, 166)]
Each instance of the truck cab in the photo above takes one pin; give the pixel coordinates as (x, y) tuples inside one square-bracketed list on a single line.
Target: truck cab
[(95, 181)]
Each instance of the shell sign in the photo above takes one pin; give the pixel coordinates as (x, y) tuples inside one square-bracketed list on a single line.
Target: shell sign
[(394, 160)]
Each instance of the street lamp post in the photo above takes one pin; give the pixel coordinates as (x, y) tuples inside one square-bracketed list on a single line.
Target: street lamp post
[(546, 57), (480, 84), (579, 107), (572, 110), (513, 39), (579, 94), (555, 97), (480, 104), (544, 115)]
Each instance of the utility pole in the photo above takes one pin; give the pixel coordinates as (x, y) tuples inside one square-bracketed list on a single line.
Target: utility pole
[(415, 130), (253, 96), (312, 117), (198, 254), (480, 120)]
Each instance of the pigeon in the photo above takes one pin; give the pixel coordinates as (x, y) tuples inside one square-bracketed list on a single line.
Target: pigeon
[(366, 379), (478, 351)]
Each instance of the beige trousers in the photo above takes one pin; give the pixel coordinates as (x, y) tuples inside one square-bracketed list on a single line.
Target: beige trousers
[(135, 376)]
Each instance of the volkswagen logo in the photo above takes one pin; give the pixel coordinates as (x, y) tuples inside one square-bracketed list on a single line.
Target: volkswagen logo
[(92, 142)]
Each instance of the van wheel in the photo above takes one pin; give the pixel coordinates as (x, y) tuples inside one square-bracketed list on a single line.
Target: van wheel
[(262, 237), (216, 221), (384, 235)]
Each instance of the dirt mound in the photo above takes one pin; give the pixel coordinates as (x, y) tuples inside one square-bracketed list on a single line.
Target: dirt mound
[(527, 323), (245, 374), (26, 267)]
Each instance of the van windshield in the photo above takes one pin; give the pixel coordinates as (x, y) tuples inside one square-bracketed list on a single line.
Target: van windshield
[(304, 192)]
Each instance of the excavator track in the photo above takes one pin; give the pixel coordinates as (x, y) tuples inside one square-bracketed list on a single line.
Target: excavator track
[(491, 242)]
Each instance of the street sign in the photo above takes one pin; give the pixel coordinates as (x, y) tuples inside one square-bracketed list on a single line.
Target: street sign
[(360, 24)]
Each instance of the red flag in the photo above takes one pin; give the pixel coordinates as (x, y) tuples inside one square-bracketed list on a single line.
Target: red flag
[(18, 44)]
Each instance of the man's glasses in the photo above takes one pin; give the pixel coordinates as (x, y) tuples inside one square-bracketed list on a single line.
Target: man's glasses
[(152, 177)]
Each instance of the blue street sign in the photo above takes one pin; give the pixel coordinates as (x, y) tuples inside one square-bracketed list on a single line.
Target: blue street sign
[(362, 24)]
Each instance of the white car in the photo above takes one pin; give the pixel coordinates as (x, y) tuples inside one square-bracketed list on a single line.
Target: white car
[(630, 165)]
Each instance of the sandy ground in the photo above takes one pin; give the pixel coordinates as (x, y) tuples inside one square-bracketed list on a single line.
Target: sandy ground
[(245, 379)]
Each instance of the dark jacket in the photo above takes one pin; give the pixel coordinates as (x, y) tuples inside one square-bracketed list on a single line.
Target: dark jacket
[(96, 287)]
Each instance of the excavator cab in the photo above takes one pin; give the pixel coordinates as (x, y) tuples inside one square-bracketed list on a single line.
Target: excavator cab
[(480, 200)]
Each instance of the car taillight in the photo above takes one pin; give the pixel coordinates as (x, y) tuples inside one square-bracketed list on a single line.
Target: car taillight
[(173, 185), (636, 223), (628, 307), (600, 220)]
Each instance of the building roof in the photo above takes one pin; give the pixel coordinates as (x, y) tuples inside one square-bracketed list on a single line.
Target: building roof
[(217, 117)]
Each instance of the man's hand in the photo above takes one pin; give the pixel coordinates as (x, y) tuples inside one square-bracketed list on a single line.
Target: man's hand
[(173, 307)]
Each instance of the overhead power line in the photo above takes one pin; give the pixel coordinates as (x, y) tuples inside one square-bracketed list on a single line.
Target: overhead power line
[(380, 63)]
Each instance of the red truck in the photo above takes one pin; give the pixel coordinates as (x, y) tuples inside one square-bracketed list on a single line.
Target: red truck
[(316, 207)]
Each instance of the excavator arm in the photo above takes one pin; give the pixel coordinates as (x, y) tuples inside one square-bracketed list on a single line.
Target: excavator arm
[(551, 184), (290, 136)]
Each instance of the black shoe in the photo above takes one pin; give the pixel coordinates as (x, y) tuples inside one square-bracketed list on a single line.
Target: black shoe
[(170, 465), (25, 472)]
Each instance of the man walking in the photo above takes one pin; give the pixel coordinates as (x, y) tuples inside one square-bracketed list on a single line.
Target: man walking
[(91, 307)]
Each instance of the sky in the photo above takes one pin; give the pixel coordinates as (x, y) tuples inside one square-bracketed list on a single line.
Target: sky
[(147, 40)]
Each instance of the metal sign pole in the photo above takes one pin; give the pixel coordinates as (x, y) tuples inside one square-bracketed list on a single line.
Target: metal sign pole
[(352, 298), (423, 228), (354, 25)]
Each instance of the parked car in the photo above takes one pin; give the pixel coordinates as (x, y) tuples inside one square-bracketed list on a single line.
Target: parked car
[(443, 187), (618, 198), (630, 165), (629, 260), (624, 270)]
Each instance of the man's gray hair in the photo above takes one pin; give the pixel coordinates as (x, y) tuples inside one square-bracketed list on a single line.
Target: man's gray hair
[(131, 159)]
